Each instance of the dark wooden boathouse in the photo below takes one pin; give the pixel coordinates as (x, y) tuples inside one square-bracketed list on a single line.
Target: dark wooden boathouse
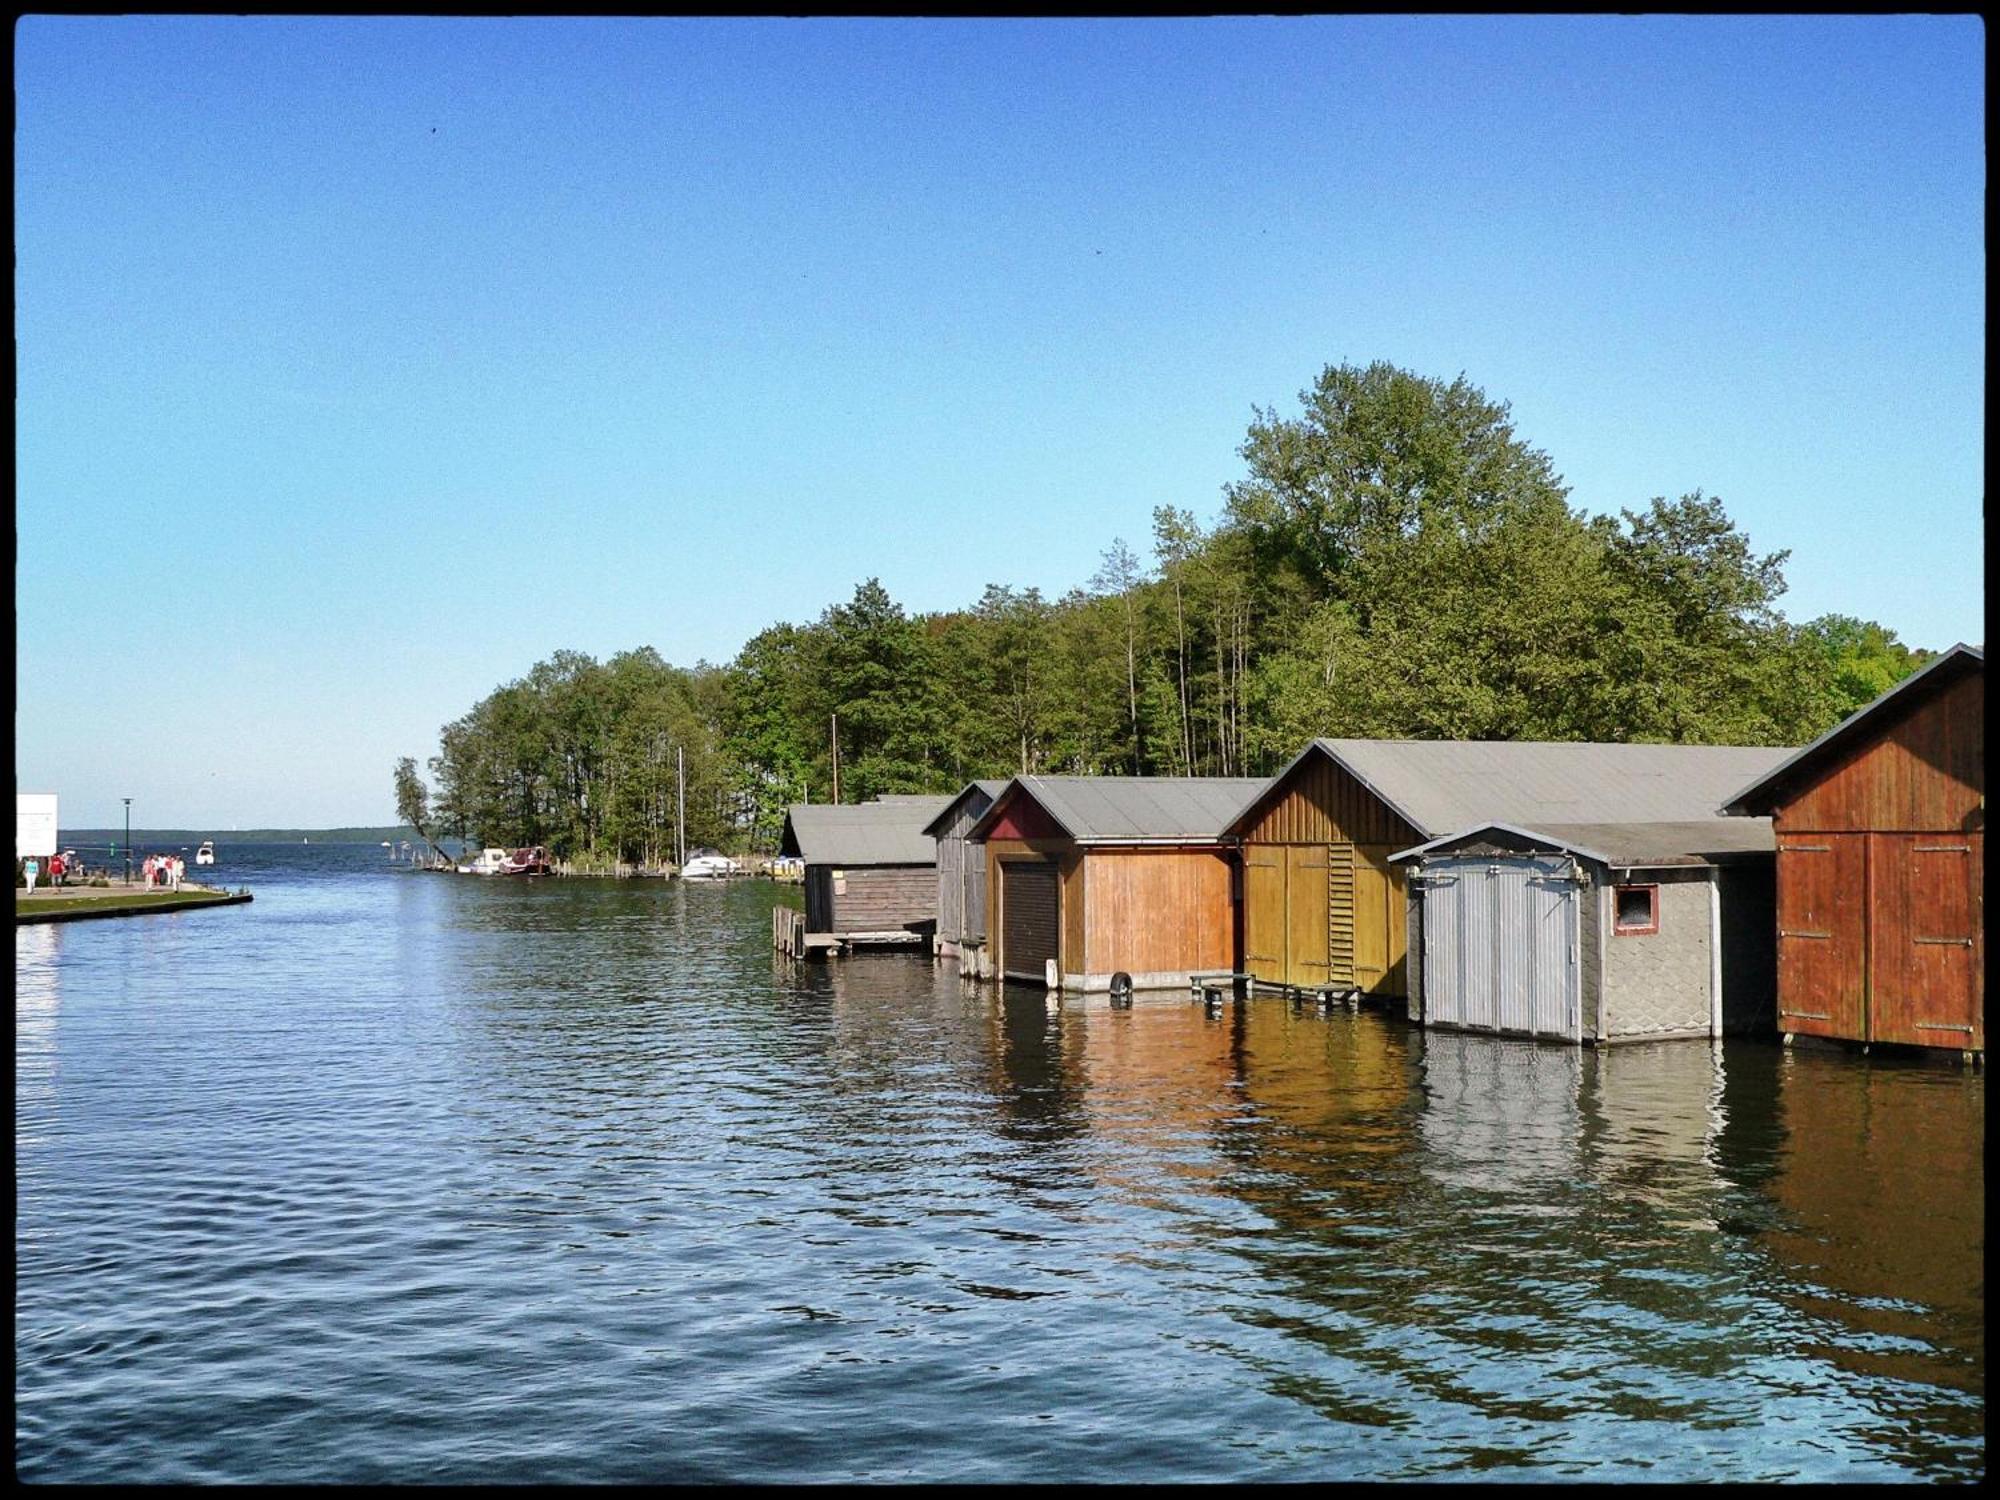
[(1881, 826), (871, 870)]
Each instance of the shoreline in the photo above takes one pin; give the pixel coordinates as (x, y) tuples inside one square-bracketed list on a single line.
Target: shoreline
[(85, 903)]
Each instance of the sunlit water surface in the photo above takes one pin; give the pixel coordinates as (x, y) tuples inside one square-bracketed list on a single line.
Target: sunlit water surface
[(401, 1177)]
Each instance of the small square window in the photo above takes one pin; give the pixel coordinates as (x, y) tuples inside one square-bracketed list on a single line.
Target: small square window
[(1637, 909)]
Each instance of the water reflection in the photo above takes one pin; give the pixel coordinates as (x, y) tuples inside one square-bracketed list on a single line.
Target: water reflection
[(418, 1178)]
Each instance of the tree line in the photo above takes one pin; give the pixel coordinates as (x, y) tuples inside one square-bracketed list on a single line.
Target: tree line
[(1395, 562)]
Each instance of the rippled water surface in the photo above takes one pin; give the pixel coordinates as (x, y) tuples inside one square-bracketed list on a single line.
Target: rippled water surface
[(401, 1177)]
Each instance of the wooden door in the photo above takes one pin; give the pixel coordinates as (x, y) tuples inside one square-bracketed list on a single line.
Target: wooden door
[(1925, 980), (1264, 911), (1821, 943), (1029, 918), (1305, 915), (1375, 897)]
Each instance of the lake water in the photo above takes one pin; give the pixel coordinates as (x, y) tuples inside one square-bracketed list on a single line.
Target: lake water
[(390, 1176)]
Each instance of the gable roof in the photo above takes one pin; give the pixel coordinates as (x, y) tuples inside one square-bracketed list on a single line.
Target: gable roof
[(1438, 786), (1132, 809), (1954, 665), (1626, 845), (992, 789), (862, 833)]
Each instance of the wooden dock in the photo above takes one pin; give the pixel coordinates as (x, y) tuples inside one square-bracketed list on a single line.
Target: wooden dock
[(790, 939)]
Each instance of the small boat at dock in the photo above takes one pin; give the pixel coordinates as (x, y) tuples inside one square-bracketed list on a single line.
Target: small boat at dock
[(709, 865)]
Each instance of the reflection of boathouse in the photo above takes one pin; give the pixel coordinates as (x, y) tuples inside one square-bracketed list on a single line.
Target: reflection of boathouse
[(1881, 826)]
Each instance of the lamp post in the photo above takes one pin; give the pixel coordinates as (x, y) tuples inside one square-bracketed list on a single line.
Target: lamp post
[(128, 840)]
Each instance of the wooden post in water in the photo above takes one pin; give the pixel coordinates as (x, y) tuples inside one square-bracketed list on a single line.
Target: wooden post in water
[(836, 760)]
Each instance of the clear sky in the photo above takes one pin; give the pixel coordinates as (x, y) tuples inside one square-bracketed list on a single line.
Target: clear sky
[(364, 362)]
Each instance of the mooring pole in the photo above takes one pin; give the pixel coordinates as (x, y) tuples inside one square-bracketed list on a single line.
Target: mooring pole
[(836, 760), (681, 804)]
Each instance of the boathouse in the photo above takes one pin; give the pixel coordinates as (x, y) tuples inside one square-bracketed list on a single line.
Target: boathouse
[(1091, 876), (1327, 905), (961, 869), (870, 870), (1587, 933), (1881, 826)]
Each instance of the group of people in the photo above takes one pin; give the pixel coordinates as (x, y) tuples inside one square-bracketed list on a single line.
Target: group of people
[(58, 867), (164, 870)]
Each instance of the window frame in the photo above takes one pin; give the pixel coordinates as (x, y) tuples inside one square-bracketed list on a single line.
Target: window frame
[(1620, 928)]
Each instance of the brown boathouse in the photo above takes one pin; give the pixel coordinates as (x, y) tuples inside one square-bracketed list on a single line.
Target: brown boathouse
[(1100, 875), (871, 870), (1881, 826)]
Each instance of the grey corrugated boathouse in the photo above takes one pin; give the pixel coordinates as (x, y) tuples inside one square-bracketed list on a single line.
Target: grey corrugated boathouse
[(871, 870), (961, 869), (1587, 932)]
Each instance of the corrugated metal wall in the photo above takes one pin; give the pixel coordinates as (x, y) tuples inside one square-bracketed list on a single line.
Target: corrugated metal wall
[(1500, 945)]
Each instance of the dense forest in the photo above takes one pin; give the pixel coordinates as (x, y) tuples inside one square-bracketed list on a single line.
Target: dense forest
[(1395, 561)]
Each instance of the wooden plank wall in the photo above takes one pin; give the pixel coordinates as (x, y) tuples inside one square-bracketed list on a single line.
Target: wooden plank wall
[(1157, 910), (1923, 772), (885, 898), (1321, 804)]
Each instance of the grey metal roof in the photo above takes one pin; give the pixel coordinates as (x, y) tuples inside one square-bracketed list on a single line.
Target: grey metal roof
[(1438, 786), (1133, 809), (887, 832), (1955, 662), (1703, 841), (992, 789)]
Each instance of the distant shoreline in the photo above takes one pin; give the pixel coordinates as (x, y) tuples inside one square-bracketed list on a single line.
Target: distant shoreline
[(240, 835)]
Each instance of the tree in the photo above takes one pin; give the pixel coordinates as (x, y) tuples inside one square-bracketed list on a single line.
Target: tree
[(413, 802), (1864, 659), (1119, 576)]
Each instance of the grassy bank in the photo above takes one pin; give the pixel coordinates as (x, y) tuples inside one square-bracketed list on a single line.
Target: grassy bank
[(73, 904)]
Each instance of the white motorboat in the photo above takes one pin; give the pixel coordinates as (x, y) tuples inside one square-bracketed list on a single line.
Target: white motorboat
[(708, 865), (489, 862), (205, 855)]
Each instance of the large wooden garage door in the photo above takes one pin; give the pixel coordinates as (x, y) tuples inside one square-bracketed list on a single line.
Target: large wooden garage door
[(1925, 984), (1306, 914), (1028, 917), (1821, 884), (1264, 911), (1374, 894)]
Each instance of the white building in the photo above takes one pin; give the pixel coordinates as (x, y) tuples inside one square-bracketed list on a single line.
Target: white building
[(34, 824)]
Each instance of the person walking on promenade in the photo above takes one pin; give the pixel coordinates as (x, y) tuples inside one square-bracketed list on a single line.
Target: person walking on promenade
[(31, 868), (173, 872), (146, 870), (55, 870)]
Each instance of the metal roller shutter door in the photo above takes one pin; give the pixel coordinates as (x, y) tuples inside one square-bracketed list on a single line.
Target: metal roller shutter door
[(1029, 916)]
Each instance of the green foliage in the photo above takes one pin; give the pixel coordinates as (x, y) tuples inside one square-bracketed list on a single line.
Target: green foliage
[(1396, 562), (1864, 659)]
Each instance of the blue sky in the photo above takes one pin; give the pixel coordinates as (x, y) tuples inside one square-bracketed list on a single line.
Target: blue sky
[(365, 362)]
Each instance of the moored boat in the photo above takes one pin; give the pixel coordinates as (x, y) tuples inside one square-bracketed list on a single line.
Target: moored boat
[(205, 855), (709, 865)]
